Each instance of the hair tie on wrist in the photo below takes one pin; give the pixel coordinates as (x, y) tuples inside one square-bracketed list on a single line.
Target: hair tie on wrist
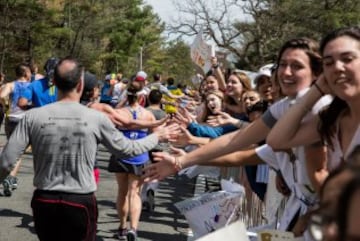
[(319, 89)]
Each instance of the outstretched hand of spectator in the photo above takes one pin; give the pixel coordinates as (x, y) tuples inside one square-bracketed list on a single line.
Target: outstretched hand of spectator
[(183, 117), (167, 132), (163, 167), (160, 122), (222, 118), (177, 151), (183, 139)]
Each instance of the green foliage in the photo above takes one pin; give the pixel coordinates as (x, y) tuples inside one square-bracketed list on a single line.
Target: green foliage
[(105, 35), (176, 62)]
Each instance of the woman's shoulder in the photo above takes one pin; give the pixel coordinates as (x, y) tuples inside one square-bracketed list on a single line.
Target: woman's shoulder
[(147, 114)]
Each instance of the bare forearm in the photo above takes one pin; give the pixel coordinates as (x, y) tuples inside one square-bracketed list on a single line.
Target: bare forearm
[(139, 124), (316, 165), (239, 158), (196, 140), (220, 78), (227, 144)]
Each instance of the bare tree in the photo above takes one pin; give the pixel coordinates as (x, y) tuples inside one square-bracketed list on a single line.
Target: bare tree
[(232, 24), (215, 18), (253, 30)]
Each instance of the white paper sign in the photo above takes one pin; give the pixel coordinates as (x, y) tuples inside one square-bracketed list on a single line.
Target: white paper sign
[(201, 52), (211, 211), (233, 232), (231, 186)]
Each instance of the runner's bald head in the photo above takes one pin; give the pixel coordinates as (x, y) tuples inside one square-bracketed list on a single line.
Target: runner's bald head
[(68, 74)]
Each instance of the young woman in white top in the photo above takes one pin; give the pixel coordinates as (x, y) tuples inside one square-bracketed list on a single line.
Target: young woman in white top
[(338, 125)]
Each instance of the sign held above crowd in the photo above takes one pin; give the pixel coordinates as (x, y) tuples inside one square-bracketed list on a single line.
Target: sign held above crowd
[(201, 52)]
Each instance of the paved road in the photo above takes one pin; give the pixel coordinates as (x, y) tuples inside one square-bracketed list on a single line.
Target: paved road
[(164, 224)]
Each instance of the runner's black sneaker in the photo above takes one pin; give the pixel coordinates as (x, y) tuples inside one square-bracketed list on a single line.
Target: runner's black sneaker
[(151, 200)]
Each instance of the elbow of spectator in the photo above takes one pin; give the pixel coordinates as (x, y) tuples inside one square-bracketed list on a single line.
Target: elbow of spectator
[(274, 143)]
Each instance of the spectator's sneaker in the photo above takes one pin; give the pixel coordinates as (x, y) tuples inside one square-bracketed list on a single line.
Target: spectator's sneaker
[(131, 235), (122, 234), (7, 187)]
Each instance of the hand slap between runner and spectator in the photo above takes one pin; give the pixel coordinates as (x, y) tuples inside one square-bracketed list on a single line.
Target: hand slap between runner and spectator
[(164, 166)]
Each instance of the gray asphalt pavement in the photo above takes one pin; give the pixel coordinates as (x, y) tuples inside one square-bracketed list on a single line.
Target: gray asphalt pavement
[(164, 224)]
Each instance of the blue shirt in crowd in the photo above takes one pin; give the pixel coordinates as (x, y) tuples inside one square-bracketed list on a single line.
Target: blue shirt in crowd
[(40, 93)]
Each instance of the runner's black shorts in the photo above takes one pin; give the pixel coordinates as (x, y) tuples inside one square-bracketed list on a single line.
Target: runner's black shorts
[(118, 166), (60, 216)]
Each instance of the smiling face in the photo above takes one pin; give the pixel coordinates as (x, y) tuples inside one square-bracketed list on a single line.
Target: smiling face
[(341, 63), (214, 103), (234, 87), (294, 71)]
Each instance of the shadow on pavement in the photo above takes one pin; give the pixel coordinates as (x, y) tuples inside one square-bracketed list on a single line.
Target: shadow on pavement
[(25, 219), (161, 236)]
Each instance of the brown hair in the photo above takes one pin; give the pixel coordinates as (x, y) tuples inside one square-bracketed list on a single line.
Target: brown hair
[(244, 80), (132, 90), (310, 47)]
